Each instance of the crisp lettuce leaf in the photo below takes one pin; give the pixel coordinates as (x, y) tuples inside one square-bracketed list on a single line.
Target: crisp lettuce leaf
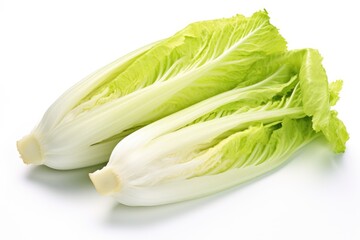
[(334, 89)]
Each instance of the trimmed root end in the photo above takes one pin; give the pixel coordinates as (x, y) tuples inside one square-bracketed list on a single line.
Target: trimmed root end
[(106, 181), (30, 151)]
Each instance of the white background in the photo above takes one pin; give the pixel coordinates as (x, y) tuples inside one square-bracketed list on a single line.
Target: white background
[(47, 46)]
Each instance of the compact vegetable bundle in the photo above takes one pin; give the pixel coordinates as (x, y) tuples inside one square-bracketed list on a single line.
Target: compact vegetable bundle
[(217, 104), (206, 58), (229, 138)]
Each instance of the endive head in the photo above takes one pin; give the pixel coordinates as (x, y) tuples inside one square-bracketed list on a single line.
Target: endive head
[(206, 58), (229, 138)]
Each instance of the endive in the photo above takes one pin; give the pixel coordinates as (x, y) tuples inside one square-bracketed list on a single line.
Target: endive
[(282, 104), (206, 58)]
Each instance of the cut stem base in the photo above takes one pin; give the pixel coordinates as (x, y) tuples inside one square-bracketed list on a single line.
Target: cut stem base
[(106, 181), (30, 150)]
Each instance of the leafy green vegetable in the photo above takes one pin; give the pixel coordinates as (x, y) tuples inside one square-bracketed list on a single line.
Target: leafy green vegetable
[(206, 58), (282, 104)]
